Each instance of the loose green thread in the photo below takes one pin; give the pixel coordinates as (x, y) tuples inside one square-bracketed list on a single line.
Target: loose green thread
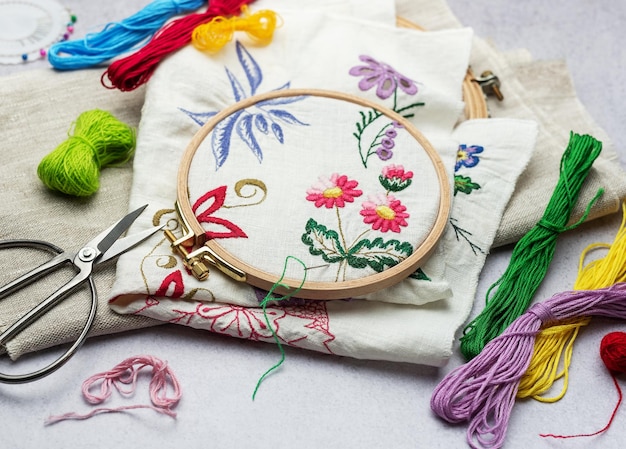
[(510, 296), (264, 303), (98, 140)]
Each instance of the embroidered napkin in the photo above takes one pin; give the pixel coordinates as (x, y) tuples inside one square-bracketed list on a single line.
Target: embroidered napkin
[(151, 282), (484, 180), (299, 57)]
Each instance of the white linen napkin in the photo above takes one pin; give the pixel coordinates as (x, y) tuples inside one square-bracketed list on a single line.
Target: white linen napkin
[(413, 325), (182, 96), (485, 178)]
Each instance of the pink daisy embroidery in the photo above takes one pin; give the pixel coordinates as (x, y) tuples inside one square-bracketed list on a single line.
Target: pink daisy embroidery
[(384, 213), (334, 191)]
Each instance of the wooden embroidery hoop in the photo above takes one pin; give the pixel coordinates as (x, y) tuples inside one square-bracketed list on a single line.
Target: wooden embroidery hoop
[(211, 253), (475, 104)]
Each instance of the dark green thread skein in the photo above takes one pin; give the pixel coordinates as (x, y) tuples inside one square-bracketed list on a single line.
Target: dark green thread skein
[(98, 140), (511, 295)]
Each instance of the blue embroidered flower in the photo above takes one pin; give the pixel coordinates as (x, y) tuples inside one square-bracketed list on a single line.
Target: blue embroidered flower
[(466, 156), (263, 117)]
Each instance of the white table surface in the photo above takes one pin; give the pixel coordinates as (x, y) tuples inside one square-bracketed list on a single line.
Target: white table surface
[(324, 401)]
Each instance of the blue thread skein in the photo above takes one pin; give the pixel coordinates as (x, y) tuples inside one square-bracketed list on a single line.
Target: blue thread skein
[(117, 37)]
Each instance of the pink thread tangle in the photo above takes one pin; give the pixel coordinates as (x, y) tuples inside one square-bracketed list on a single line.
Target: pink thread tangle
[(126, 373), (482, 392)]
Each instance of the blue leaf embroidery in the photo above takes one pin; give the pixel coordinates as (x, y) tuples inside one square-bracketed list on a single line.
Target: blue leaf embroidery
[(238, 91), (286, 117), (199, 117), (261, 123), (220, 140), (244, 131), (278, 132), (250, 67), (281, 100)]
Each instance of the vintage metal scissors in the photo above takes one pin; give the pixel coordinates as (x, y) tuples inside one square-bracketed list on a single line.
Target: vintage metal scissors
[(102, 248)]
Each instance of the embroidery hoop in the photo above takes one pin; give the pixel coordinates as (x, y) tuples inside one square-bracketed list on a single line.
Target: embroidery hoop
[(211, 252), (475, 103)]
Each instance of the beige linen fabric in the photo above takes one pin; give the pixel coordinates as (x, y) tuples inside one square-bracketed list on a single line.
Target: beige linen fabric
[(36, 113)]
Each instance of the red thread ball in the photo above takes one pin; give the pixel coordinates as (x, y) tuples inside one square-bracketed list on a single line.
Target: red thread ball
[(613, 351)]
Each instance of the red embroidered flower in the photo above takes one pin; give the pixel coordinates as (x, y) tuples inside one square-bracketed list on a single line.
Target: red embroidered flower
[(334, 191), (172, 286), (384, 213), (216, 198), (239, 321)]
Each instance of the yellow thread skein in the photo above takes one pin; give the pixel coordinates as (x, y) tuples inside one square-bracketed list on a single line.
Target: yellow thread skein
[(556, 342), (98, 140), (260, 26)]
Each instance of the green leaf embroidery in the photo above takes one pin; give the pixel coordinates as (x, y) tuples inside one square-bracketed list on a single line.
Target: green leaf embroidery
[(419, 275), (378, 254), (464, 184), (394, 185), (323, 242), (465, 235)]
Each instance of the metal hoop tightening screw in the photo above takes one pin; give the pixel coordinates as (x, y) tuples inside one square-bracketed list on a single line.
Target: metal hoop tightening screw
[(490, 84)]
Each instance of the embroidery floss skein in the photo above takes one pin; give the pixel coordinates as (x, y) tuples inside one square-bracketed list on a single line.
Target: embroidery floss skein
[(118, 37), (613, 354), (511, 295), (132, 71), (482, 392), (556, 342), (212, 36), (99, 139), (126, 372)]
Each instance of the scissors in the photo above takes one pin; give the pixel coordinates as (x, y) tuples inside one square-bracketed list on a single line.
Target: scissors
[(102, 248)]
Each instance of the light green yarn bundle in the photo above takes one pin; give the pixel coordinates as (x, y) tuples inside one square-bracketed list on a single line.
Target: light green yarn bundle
[(98, 140)]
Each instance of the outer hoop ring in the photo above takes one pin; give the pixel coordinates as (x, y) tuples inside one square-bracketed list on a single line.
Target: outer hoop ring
[(317, 290)]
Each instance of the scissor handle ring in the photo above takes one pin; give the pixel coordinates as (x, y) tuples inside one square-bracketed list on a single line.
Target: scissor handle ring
[(59, 362)]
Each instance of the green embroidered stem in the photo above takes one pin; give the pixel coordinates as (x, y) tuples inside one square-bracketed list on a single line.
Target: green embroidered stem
[(269, 298), (511, 295)]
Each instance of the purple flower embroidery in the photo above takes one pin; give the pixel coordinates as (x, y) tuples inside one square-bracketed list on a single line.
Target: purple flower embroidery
[(384, 154), (466, 156), (383, 76)]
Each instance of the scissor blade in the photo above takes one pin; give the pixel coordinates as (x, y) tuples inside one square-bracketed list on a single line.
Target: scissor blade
[(107, 238), (123, 245)]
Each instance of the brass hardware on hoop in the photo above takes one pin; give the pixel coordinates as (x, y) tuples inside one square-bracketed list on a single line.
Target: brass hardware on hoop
[(490, 84), (199, 260)]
